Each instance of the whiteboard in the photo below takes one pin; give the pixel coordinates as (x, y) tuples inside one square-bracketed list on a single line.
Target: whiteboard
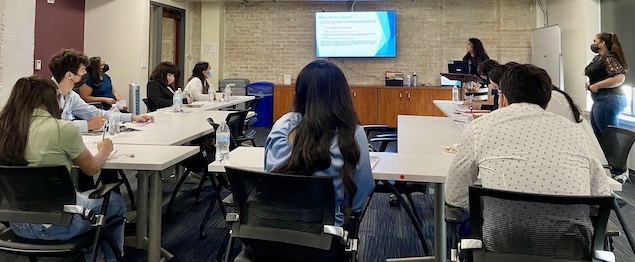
[(547, 54)]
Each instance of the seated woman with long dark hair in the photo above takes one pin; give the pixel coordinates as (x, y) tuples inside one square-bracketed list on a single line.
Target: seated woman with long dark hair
[(34, 135), (322, 137)]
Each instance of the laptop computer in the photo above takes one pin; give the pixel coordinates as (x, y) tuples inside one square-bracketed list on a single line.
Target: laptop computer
[(458, 66)]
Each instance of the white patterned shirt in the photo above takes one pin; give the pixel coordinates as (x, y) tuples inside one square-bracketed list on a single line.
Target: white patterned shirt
[(523, 148)]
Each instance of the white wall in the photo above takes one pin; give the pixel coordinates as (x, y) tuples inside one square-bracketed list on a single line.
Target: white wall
[(212, 38), (579, 21), (119, 31), (17, 28)]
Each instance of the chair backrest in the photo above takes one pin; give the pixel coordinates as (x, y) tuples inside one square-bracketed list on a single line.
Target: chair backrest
[(236, 123), (149, 105), (616, 143), (538, 225), (36, 194), (253, 104), (291, 209)]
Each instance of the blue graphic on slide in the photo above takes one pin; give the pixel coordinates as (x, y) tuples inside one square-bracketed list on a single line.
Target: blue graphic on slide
[(356, 34)]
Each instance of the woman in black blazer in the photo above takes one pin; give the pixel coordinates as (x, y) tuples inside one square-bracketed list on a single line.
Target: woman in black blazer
[(160, 88)]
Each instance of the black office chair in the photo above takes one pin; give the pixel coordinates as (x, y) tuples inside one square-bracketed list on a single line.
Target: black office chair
[(236, 123), (514, 226), (286, 218), (125, 182), (380, 134), (616, 143), (219, 181), (151, 107), (196, 163), (46, 195)]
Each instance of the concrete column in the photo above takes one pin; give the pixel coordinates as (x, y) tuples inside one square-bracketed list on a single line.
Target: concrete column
[(17, 27)]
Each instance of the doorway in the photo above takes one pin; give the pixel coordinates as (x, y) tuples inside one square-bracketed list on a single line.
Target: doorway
[(167, 37)]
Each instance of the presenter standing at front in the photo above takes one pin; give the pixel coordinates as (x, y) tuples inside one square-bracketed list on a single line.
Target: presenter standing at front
[(605, 74), (475, 55)]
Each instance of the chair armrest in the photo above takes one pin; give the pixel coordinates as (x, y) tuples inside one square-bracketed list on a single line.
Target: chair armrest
[(103, 190), (604, 255), (84, 212), (337, 231), (453, 214), (383, 139), (232, 217), (386, 135), (470, 244)]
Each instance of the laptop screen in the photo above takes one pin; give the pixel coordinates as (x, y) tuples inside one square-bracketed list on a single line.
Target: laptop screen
[(458, 66)]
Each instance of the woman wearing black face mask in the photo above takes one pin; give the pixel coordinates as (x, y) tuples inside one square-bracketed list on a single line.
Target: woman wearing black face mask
[(98, 87), (605, 74)]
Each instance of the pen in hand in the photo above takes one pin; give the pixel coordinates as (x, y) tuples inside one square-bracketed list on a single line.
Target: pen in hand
[(103, 128)]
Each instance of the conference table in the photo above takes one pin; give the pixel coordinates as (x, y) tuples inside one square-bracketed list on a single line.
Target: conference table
[(155, 147)]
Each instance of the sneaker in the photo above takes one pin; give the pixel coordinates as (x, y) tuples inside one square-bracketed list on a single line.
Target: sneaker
[(621, 178)]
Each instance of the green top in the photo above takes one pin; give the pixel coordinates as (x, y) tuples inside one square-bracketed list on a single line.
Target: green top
[(52, 141)]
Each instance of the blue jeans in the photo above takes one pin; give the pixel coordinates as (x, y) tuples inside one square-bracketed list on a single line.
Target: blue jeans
[(116, 208), (606, 110)]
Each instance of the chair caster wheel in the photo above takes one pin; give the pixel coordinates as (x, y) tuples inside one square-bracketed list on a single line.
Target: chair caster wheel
[(393, 201), (202, 235)]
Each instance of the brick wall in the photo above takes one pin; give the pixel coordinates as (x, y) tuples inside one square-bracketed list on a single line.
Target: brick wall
[(266, 40)]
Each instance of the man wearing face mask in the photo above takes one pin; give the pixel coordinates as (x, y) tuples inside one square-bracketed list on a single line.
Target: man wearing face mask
[(606, 73), (98, 87), (197, 86), (68, 67)]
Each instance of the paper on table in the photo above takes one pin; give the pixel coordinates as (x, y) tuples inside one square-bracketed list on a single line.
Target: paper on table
[(373, 161), (473, 111), (137, 125)]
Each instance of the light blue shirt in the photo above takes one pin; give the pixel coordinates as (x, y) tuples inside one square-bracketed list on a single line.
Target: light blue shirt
[(278, 150), (74, 106)]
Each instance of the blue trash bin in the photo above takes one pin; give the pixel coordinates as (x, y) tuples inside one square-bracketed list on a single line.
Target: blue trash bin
[(264, 110)]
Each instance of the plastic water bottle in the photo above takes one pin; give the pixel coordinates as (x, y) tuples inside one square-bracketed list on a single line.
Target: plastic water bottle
[(222, 143), (227, 93), (455, 93), (408, 80), (177, 101), (210, 93), (414, 79), (114, 118)]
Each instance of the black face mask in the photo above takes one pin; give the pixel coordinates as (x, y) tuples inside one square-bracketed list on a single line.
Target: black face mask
[(595, 48), (81, 81), (106, 68)]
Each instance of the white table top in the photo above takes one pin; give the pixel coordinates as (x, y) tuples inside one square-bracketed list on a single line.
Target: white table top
[(426, 135), (449, 107), (168, 128), (215, 105), (148, 158), (391, 166)]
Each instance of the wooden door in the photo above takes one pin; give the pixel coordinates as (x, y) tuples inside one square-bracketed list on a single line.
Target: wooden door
[(282, 100), (365, 102), (389, 105)]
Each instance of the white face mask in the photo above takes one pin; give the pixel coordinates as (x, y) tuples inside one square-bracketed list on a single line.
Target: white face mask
[(211, 73)]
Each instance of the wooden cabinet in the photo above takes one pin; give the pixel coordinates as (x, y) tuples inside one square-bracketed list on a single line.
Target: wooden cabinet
[(365, 103), (376, 104), (283, 96), (408, 101)]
